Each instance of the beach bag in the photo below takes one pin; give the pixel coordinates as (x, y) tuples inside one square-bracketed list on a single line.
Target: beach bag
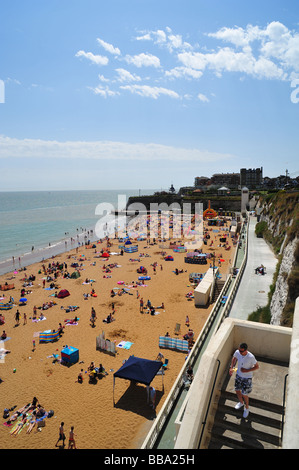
[(50, 414)]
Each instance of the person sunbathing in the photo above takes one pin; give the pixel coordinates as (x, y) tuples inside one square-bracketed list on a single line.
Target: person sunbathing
[(19, 425), (40, 411)]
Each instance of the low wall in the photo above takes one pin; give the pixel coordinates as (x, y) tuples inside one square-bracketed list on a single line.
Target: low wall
[(266, 340), (291, 428)]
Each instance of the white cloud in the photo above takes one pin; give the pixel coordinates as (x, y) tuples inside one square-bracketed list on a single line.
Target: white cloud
[(268, 53), (96, 59), (149, 91), (143, 60), (105, 92), (203, 98), (158, 37), (126, 76), (102, 78), (169, 39), (109, 47), (103, 150), (183, 72), (275, 44), (228, 60)]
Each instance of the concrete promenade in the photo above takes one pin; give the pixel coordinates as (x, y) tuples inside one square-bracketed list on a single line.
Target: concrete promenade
[(253, 289)]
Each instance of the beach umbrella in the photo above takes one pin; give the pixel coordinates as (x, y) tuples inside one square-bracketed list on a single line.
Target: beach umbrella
[(23, 299)]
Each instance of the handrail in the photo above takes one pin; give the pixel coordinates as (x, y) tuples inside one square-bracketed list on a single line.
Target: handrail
[(283, 405), (209, 404)]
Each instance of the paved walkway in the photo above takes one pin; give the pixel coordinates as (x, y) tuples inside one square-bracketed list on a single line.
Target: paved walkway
[(253, 289)]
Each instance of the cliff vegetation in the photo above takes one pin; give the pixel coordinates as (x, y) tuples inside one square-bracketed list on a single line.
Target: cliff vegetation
[(279, 226)]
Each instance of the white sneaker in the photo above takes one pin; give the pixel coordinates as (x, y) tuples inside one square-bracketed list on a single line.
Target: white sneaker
[(245, 413), (239, 405)]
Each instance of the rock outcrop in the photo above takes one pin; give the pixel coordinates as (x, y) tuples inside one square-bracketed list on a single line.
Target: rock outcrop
[(279, 219)]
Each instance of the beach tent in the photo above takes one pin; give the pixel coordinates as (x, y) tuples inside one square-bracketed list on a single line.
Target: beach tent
[(70, 355), (75, 275), (63, 293), (105, 254), (48, 336), (139, 370), (128, 242), (168, 258)]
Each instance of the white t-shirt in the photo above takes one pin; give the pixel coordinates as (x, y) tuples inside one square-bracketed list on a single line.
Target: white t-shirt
[(247, 361)]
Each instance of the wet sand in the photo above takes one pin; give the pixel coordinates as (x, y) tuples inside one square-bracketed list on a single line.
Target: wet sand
[(99, 423)]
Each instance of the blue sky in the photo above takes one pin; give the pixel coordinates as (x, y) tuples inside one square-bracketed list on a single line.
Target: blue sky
[(141, 94)]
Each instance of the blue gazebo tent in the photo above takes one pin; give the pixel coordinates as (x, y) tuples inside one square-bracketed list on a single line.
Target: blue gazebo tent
[(70, 355), (139, 370)]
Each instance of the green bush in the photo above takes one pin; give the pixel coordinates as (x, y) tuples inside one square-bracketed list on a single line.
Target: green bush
[(260, 229)]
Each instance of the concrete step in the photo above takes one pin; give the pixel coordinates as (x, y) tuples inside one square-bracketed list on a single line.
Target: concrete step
[(261, 430)]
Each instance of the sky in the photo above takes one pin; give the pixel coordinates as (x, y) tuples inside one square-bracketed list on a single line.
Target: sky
[(137, 94)]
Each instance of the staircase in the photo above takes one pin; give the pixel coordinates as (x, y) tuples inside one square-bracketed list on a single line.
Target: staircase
[(261, 430), (217, 289)]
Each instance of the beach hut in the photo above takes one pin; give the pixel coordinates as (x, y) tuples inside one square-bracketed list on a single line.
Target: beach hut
[(138, 370), (63, 293), (70, 355)]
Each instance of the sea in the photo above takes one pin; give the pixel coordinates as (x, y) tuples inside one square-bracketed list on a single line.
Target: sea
[(36, 225)]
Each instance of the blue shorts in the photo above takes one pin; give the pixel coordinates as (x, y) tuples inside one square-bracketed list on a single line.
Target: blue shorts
[(243, 384)]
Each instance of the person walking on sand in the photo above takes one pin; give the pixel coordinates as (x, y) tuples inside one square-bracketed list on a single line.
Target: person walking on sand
[(17, 317), (72, 443), (247, 364), (61, 436)]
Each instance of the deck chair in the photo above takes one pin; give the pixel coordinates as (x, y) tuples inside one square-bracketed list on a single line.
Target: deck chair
[(165, 365), (177, 329)]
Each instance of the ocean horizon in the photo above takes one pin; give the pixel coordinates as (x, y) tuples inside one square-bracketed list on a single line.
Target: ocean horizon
[(36, 225)]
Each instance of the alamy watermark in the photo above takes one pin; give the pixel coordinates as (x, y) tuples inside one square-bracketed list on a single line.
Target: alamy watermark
[(2, 352), (2, 92), (162, 221), (295, 93)]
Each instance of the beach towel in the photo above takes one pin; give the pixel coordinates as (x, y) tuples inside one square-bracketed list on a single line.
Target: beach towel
[(3, 340), (124, 345), (38, 319)]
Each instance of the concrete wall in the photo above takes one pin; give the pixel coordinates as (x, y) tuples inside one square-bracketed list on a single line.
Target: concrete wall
[(232, 204), (291, 427), (265, 340)]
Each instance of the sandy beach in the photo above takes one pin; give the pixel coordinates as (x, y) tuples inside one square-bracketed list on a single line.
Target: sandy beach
[(27, 372)]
